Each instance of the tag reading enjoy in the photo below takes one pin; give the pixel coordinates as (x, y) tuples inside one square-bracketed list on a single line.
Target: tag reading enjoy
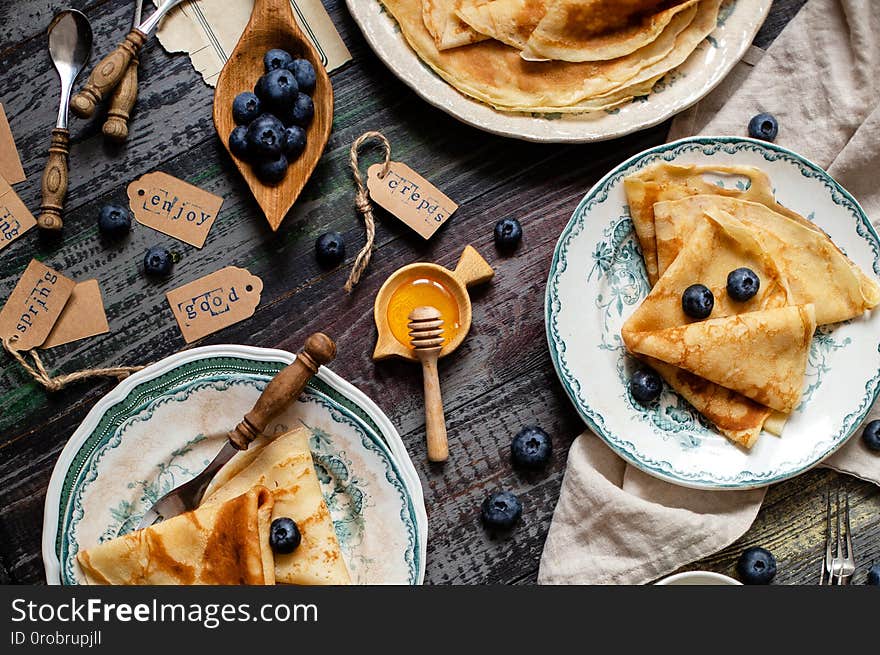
[(83, 316), (410, 197), (173, 207), (34, 306), (215, 301), (15, 217)]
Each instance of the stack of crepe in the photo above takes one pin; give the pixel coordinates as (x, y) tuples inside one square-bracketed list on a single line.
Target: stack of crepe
[(743, 367), (554, 55), (226, 540)]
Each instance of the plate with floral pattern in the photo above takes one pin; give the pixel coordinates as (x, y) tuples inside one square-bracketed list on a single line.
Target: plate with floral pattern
[(160, 427), (738, 22), (597, 279)]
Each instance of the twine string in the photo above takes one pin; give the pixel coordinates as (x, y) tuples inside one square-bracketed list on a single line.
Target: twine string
[(363, 204)]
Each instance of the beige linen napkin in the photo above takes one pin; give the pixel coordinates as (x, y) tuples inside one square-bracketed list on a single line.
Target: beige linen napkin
[(821, 79)]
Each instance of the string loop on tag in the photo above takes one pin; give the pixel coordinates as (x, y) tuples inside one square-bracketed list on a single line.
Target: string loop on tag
[(40, 375), (363, 204)]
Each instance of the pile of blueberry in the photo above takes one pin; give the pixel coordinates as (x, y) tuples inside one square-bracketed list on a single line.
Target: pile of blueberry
[(272, 120)]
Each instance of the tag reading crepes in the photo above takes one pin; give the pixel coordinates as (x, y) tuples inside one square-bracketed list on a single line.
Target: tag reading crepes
[(83, 316), (410, 197), (34, 306), (15, 217), (215, 301), (10, 162), (173, 207)]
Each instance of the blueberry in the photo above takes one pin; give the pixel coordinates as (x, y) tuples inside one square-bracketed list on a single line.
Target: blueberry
[(158, 262), (238, 143), (300, 112), (508, 233), (271, 171), (697, 301), (756, 566), (531, 448), (245, 108), (114, 221), (284, 535), (873, 575), (764, 127), (871, 436), (501, 510), (294, 141), (276, 58), (742, 284), (645, 385), (304, 73), (279, 88), (264, 137), (330, 249)]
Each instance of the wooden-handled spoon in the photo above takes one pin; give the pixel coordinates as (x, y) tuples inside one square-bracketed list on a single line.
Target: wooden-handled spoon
[(426, 336)]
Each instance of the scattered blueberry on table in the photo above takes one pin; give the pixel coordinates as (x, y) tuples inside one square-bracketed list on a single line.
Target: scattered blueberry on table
[(158, 262), (531, 448), (645, 385), (697, 301), (508, 233), (764, 127), (743, 284), (114, 221), (330, 249), (873, 575), (272, 120), (756, 566), (284, 535), (871, 436), (501, 510)]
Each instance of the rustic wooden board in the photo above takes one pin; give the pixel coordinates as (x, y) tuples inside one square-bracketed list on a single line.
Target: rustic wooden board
[(500, 379)]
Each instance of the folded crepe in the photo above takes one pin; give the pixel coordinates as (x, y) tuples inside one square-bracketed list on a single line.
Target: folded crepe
[(444, 25), (598, 30), (509, 21), (817, 271), (716, 248), (223, 544), (284, 465)]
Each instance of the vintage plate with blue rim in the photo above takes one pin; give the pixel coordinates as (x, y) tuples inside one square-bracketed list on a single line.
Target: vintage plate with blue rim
[(161, 426), (597, 279), (738, 22)]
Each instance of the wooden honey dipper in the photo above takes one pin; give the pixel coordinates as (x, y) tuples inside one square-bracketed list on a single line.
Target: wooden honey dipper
[(426, 336)]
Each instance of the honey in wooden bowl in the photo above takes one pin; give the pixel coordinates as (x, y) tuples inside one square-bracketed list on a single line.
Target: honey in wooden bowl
[(418, 291)]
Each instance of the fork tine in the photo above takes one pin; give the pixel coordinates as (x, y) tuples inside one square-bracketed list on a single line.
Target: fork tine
[(850, 556), (838, 557), (825, 573)]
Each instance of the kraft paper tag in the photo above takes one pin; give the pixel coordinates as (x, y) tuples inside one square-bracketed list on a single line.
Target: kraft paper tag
[(15, 217), (173, 207), (34, 306), (83, 316), (410, 197), (10, 163), (215, 301)]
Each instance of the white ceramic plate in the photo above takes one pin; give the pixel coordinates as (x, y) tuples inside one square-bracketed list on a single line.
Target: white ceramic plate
[(738, 22), (161, 426), (597, 279)]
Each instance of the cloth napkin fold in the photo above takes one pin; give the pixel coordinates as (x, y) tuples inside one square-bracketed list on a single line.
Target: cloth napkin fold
[(821, 78)]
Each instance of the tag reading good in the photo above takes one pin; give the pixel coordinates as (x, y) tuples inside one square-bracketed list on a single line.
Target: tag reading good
[(410, 197), (34, 306), (173, 207), (10, 163), (83, 316), (15, 218), (215, 301)]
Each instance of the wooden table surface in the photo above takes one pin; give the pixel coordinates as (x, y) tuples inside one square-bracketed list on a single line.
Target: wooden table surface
[(498, 381)]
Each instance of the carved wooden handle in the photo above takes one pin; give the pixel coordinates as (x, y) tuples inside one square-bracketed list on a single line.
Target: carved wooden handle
[(121, 104), (55, 181), (107, 74), (435, 421), (284, 388)]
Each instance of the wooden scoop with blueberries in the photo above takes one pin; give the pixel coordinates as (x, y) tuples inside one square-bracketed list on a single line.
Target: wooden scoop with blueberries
[(273, 107)]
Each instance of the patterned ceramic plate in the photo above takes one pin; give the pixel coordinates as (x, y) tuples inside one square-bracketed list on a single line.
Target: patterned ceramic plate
[(597, 279), (738, 22), (161, 426)]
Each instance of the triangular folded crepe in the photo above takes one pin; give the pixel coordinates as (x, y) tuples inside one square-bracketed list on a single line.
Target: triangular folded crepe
[(761, 355), (223, 544), (599, 30), (816, 270), (285, 466), (446, 28), (509, 21)]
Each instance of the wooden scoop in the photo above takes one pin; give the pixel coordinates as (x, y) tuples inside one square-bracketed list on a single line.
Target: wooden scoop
[(426, 334), (272, 25)]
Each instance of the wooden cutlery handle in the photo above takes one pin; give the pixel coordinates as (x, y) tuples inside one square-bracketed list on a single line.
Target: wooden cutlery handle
[(284, 388), (435, 421), (121, 104), (55, 181), (107, 74)]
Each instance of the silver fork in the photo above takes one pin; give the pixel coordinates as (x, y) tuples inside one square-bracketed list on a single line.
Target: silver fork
[(839, 563)]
